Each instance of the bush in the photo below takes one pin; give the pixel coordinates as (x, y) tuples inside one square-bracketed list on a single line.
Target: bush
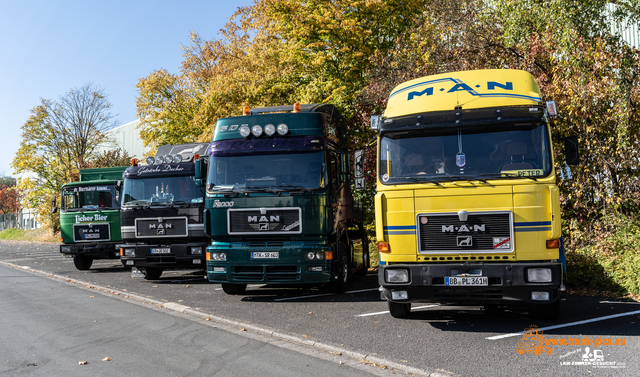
[(606, 256)]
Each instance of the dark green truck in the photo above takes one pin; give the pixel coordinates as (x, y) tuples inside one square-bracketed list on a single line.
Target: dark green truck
[(279, 208), (90, 217)]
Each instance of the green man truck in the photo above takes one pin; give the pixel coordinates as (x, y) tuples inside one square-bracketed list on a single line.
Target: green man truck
[(467, 208), (162, 211), (279, 208), (90, 217)]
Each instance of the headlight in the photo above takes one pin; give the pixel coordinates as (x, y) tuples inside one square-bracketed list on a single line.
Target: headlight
[(396, 275), (244, 131), (150, 160), (177, 159), (256, 130), (220, 257), (129, 252), (539, 275), (269, 129), (65, 249), (196, 250), (314, 255), (282, 129)]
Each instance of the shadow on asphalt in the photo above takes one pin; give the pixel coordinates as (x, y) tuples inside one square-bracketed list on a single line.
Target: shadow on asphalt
[(515, 319)]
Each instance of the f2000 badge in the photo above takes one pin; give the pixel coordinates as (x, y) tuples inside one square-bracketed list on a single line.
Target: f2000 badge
[(219, 204)]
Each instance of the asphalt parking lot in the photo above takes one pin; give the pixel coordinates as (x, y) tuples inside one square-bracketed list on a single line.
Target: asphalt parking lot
[(442, 338)]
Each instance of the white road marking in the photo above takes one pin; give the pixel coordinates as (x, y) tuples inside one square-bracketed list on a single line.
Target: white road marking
[(322, 294), (567, 324), (387, 312), (248, 286)]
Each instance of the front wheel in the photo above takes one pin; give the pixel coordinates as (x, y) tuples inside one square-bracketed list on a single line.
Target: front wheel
[(344, 274), (82, 262), (234, 289), (399, 310), (151, 273)]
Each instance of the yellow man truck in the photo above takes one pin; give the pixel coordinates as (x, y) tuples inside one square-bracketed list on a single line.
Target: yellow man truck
[(467, 208)]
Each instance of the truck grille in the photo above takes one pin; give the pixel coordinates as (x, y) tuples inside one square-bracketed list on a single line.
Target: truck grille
[(91, 232), (264, 221), (161, 227), (265, 273), (481, 232)]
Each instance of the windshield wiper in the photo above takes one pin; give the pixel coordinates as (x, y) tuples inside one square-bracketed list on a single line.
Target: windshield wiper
[(508, 175), (455, 177), (188, 203), (416, 179), (137, 204), (258, 189)]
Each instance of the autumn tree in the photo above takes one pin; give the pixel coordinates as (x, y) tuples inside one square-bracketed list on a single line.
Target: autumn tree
[(58, 139), (9, 199), (110, 159)]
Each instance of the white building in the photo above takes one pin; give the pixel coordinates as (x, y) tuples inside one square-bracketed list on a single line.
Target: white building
[(127, 138)]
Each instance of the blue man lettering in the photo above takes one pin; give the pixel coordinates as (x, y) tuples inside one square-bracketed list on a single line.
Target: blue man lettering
[(428, 91), (458, 87), (491, 85)]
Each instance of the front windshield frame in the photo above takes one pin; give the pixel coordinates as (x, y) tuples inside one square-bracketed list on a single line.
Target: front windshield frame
[(89, 197), (274, 171), (464, 153), (161, 190)]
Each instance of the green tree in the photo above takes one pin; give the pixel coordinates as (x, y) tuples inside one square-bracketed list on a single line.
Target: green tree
[(60, 138)]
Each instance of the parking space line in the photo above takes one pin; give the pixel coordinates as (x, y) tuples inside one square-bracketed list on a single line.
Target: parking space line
[(248, 286), (322, 294), (567, 324), (412, 309)]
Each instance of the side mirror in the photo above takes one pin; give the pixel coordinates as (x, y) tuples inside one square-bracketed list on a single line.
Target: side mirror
[(200, 168), (54, 207), (571, 150), (374, 123), (345, 167), (358, 168), (118, 188)]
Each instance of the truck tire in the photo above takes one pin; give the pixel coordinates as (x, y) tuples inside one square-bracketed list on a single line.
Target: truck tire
[(548, 311), (399, 310), (234, 289), (344, 271), (151, 273), (82, 262)]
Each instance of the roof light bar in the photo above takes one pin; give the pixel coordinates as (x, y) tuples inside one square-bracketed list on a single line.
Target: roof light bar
[(256, 130)]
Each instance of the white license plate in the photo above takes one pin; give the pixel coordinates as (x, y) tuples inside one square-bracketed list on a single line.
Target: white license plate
[(265, 254), (161, 250), (91, 235), (466, 280)]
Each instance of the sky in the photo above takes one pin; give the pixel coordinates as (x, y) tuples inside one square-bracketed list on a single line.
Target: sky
[(49, 47)]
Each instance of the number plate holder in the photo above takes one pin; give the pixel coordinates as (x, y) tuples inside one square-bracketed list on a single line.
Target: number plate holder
[(265, 255), (466, 281), (161, 250)]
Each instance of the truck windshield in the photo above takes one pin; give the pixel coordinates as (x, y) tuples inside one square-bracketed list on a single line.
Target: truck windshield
[(285, 171), (465, 153), (161, 190), (88, 197)]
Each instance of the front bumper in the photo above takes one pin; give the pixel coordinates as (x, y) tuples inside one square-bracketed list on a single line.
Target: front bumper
[(102, 250), (179, 256), (290, 267), (507, 284)]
